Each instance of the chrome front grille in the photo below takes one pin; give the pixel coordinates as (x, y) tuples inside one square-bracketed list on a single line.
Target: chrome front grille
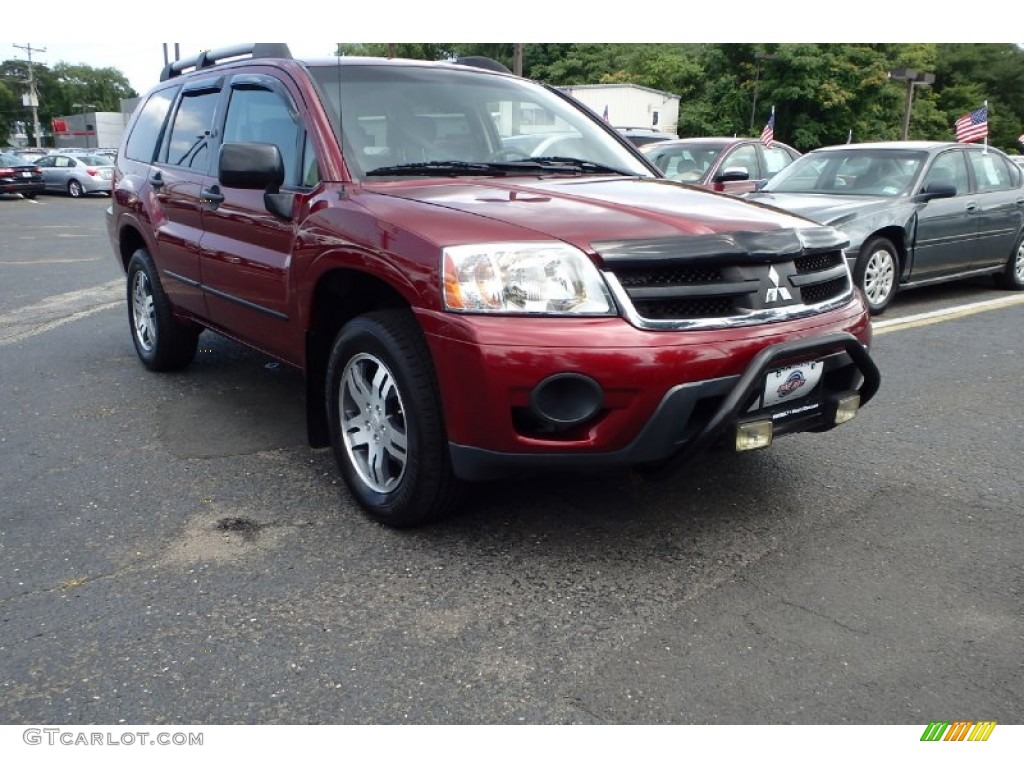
[(722, 281)]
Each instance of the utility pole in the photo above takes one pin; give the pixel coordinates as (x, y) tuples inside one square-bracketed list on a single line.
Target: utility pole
[(517, 58), (33, 96)]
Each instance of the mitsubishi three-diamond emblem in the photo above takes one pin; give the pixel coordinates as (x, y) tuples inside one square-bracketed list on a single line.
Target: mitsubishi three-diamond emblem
[(776, 293)]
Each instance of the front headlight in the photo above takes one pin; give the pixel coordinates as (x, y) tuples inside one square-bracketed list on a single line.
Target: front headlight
[(529, 278)]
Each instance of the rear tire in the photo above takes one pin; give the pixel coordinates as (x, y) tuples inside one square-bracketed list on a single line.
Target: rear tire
[(161, 341), (386, 422), (876, 273), (75, 188), (1012, 278)]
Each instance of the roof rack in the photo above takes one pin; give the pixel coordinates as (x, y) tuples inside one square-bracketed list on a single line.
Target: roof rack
[(205, 59), (483, 62)]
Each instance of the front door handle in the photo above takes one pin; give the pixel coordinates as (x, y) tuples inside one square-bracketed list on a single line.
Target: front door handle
[(971, 207), (157, 180), (212, 196)]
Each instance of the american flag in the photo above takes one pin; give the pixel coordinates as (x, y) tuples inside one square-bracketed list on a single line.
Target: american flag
[(973, 126), (768, 134)]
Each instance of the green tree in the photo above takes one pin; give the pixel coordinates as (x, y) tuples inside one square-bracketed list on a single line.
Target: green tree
[(59, 89)]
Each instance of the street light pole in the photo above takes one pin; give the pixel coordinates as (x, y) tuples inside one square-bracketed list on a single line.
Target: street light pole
[(758, 58), (912, 78)]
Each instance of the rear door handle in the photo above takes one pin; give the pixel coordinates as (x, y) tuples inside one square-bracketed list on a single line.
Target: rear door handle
[(157, 180), (972, 207)]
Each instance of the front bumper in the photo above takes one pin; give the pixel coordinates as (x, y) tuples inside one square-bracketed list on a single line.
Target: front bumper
[(694, 417), (665, 395)]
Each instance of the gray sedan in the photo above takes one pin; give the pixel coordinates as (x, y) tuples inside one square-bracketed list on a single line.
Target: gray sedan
[(916, 212), (77, 175)]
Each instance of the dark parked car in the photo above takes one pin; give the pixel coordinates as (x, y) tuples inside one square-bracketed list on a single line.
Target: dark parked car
[(916, 213), (19, 175), (731, 165), (462, 310)]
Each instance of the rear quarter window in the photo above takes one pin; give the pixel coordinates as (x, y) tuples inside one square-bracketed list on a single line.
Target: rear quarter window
[(146, 132)]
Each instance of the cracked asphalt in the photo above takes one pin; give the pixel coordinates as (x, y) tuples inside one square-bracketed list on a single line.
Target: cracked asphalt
[(173, 553)]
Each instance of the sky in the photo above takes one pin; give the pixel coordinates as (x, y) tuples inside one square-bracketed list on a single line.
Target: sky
[(122, 43)]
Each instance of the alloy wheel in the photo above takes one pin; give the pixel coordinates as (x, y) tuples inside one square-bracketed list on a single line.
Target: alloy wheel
[(143, 311), (373, 423), (879, 276)]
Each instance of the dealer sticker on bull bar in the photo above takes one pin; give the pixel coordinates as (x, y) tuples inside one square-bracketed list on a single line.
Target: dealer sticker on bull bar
[(791, 383)]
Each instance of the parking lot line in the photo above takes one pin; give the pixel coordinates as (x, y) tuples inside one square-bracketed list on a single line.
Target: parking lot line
[(54, 311), (882, 327)]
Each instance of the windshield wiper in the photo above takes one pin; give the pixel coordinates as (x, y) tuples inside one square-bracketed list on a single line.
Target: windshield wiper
[(559, 164), (441, 168), (553, 164)]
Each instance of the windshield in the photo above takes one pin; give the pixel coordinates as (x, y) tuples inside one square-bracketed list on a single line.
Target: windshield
[(95, 160), (882, 172), (433, 121), (684, 162)]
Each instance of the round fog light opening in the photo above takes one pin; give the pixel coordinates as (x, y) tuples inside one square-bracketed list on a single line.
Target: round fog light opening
[(567, 398)]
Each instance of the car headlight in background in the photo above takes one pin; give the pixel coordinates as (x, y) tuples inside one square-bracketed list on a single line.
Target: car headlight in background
[(528, 278)]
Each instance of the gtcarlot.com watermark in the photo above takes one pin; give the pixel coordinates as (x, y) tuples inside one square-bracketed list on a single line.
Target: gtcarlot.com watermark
[(70, 737)]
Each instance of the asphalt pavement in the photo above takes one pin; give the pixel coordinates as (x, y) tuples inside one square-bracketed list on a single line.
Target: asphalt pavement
[(173, 552)]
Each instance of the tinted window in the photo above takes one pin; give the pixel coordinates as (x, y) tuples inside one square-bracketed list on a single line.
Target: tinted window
[(742, 157), (190, 133), (775, 159), (949, 168), (146, 133), (310, 168), (990, 171), (256, 114)]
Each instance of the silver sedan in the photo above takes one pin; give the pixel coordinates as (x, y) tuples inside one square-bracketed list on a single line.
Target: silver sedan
[(77, 175)]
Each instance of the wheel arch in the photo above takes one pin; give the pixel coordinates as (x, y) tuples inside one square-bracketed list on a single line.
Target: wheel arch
[(129, 240), (898, 237), (339, 295)]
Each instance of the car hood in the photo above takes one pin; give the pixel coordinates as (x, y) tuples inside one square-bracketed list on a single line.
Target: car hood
[(825, 209), (578, 210)]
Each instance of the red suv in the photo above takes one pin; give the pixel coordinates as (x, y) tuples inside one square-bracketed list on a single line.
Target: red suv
[(464, 308)]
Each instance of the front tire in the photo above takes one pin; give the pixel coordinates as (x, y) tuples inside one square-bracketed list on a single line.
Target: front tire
[(1012, 278), (386, 423), (876, 273), (161, 341), (75, 188)]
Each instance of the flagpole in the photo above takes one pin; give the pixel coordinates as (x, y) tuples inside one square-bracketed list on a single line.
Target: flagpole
[(984, 149)]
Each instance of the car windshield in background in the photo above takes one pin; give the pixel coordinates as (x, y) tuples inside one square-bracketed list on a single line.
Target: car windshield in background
[(884, 173), (419, 121), (13, 161), (684, 162), (95, 159)]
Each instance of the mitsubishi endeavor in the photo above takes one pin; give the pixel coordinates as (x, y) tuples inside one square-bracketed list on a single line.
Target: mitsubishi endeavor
[(464, 303)]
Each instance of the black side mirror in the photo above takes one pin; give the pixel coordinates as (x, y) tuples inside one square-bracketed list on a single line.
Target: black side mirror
[(935, 190), (251, 165), (256, 165)]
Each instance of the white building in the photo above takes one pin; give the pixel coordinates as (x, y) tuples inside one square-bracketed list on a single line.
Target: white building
[(630, 106), (89, 129)]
